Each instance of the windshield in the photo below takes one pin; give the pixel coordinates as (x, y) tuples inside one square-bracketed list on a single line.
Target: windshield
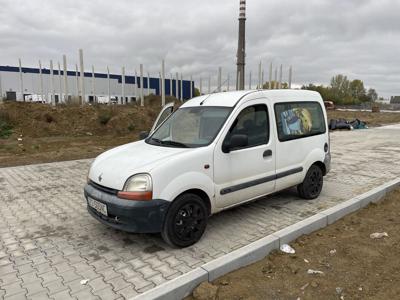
[(190, 127)]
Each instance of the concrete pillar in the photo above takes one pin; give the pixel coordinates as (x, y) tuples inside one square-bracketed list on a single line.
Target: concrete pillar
[(262, 79), (141, 84), (60, 83), (94, 86), (270, 76), (170, 85), (276, 78), (181, 87), (65, 77), (280, 78), (201, 86), (21, 80), (163, 83), (123, 86), (108, 85), (148, 84), (1, 89), (219, 79), (290, 77), (250, 80), (136, 85), (159, 84), (41, 81), (77, 80), (209, 84), (52, 89), (191, 86), (83, 94), (177, 86), (259, 75)]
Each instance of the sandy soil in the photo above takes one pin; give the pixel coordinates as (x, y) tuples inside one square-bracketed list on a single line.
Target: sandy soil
[(354, 265), (72, 132)]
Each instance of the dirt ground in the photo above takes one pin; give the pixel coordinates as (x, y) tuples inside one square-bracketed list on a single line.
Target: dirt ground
[(36, 133), (354, 265)]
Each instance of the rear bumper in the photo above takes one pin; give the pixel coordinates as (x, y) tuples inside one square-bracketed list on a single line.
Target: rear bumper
[(128, 215), (327, 162)]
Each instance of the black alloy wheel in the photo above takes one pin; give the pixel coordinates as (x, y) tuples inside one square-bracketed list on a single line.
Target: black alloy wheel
[(312, 184), (186, 221)]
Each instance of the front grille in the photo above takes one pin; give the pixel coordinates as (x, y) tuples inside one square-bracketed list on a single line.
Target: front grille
[(103, 188)]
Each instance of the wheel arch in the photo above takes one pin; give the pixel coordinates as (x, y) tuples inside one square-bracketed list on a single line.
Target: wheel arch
[(202, 194)]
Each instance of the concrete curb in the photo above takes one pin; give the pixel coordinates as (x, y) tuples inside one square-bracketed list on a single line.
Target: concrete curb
[(182, 286)]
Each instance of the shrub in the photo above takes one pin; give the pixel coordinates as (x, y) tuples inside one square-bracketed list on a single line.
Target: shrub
[(104, 117), (131, 127), (48, 118), (5, 126)]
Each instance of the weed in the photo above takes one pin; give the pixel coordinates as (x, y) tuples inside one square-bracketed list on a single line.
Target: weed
[(105, 117)]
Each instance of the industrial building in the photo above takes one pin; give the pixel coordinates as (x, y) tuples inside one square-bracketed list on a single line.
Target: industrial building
[(32, 85)]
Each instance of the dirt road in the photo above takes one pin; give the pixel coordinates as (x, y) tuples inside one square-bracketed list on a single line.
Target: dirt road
[(354, 265)]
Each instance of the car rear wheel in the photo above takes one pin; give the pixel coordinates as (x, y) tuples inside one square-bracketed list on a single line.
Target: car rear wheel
[(311, 187), (185, 221)]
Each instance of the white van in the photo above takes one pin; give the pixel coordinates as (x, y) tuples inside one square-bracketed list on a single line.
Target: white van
[(214, 152)]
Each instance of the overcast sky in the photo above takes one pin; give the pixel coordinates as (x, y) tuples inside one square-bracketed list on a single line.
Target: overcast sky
[(320, 38)]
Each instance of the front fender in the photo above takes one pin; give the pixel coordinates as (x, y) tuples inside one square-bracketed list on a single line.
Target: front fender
[(316, 155), (188, 181)]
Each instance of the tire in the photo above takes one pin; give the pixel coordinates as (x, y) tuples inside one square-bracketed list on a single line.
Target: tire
[(186, 221), (311, 187)]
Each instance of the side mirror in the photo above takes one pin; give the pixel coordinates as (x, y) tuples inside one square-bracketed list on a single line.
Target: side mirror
[(236, 141), (143, 135)]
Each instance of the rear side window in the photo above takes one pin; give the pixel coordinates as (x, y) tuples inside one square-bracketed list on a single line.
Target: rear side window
[(296, 120)]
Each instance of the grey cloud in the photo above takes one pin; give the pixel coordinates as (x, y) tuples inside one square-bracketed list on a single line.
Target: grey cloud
[(320, 38)]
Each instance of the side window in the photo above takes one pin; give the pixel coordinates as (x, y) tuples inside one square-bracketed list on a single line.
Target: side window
[(252, 121), (299, 119)]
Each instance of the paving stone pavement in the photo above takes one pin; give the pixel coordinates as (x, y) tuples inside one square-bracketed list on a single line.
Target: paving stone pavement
[(49, 243)]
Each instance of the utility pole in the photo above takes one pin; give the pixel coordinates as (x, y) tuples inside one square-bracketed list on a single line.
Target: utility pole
[(259, 75), (228, 83), (276, 78), (21, 80), (60, 82), (280, 77), (65, 77), (290, 77), (241, 53), (136, 85)]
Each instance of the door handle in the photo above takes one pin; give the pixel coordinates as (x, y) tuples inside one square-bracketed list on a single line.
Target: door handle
[(267, 153)]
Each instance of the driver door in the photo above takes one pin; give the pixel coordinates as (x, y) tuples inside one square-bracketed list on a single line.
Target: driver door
[(246, 172), (166, 111)]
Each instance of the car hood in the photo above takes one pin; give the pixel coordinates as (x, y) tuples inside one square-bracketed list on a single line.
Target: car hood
[(112, 168)]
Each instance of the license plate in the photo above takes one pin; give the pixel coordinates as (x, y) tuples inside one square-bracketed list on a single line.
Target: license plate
[(98, 206)]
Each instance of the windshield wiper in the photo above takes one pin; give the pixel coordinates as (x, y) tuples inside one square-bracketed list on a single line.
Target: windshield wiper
[(169, 143), (174, 143)]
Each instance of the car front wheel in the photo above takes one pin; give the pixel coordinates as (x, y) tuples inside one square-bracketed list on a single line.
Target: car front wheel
[(186, 221), (311, 187)]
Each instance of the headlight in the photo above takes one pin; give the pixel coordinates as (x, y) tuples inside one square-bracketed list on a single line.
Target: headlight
[(138, 187)]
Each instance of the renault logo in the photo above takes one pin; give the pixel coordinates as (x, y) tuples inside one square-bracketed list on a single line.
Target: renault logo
[(100, 178)]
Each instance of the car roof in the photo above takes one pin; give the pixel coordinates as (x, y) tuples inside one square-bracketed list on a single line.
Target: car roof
[(230, 99)]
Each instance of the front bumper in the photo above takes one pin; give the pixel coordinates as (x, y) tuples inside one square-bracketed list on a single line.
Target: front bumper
[(128, 215)]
